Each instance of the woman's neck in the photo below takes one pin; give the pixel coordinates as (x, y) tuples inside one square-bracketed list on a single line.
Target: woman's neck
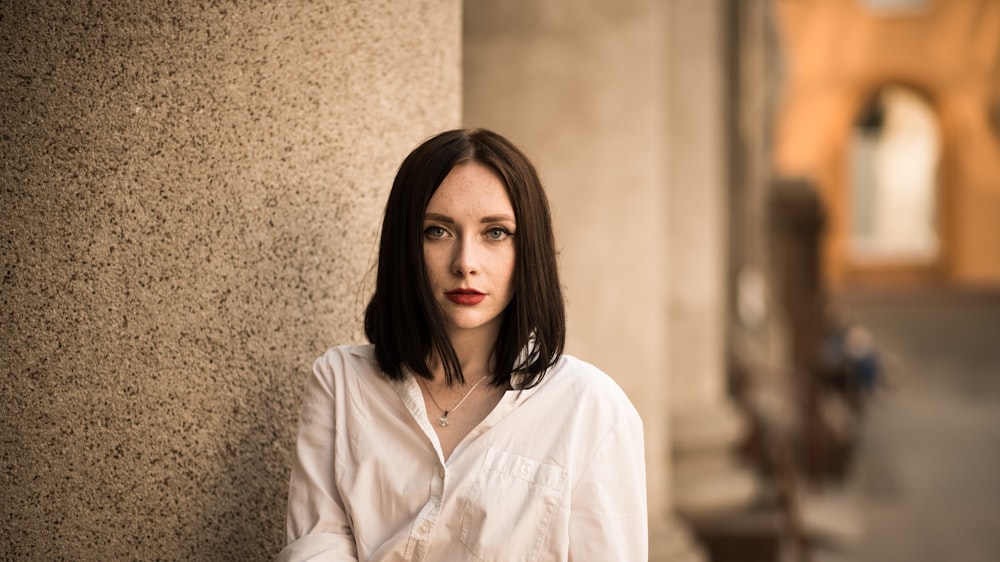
[(474, 351)]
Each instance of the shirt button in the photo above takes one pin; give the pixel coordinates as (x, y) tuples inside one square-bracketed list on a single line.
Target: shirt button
[(441, 472), (525, 469)]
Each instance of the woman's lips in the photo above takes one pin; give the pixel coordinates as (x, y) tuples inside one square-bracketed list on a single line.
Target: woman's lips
[(467, 297)]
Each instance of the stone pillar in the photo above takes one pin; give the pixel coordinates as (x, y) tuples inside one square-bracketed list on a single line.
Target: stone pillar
[(797, 220), (578, 86), (189, 198), (705, 424)]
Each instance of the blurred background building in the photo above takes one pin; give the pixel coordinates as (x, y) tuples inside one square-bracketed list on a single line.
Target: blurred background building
[(766, 209)]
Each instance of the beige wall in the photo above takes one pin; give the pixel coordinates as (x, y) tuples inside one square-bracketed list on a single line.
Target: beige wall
[(190, 195), (579, 88), (706, 426)]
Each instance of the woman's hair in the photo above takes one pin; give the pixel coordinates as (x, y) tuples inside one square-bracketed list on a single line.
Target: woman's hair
[(403, 318)]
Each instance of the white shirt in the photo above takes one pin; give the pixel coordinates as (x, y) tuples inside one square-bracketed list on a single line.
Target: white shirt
[(554, 472)]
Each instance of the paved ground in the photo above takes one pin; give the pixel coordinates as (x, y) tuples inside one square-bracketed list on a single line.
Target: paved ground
[(927, 484)]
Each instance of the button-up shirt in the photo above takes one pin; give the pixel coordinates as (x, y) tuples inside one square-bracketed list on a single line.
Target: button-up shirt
[(554, 472)]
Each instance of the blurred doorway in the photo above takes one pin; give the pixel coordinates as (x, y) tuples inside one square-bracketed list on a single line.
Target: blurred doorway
[(894, 196)]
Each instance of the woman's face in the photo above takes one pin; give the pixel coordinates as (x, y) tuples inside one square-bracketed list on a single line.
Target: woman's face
[(469, 250)]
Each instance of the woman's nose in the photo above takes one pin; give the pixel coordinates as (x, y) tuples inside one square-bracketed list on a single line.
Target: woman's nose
[(466, 260)]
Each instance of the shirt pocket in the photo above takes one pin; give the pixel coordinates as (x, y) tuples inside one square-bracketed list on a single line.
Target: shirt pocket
[(508, 513)]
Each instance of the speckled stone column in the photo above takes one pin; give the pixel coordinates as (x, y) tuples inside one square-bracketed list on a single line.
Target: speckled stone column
[(706, 424), (190, 195), (579, 87)]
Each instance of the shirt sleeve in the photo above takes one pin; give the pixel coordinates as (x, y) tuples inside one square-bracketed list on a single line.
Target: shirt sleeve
[(608, 518), (317, 526)]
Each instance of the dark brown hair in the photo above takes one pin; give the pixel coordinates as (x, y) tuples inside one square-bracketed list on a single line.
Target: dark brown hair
[(403, 319)]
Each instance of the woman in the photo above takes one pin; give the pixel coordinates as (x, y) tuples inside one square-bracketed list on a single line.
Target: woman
[(463, 432)]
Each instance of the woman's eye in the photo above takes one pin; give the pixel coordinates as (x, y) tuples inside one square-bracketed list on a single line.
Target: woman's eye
[(435, 232), (497, 233)]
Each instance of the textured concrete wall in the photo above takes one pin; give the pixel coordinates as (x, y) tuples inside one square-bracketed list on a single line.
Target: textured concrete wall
[(190, 196), (578, 86)]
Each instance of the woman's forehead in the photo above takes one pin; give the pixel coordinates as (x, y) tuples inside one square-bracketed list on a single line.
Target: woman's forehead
[(471, 189)]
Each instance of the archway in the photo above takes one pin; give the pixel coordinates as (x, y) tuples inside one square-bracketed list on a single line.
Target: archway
[(893, 196)]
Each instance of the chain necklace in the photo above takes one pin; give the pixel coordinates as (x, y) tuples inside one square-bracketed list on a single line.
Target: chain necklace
[(443, 420)]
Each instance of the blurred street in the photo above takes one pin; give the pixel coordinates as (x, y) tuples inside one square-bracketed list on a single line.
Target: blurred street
[(926, 486)]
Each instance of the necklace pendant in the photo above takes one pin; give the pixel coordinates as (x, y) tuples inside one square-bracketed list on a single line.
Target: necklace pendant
[(443, 420)]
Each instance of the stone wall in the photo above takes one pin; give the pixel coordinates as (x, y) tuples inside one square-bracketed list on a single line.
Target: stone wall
[(190, 194)]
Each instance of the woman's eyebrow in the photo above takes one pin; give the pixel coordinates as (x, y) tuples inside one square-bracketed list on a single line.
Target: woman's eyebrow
[(438, 217), (497, 218)]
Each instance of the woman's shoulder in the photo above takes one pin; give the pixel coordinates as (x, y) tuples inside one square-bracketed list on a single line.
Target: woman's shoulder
[(366, 351), (574, 371), (358, 359), (586, 382)]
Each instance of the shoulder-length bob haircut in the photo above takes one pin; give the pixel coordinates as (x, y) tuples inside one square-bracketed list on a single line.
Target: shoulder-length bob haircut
[(404, 321)]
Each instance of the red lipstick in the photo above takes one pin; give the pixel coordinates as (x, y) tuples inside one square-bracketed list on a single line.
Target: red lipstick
[(467, 297)]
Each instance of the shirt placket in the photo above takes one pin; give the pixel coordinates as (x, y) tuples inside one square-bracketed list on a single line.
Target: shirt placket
[(426, 521)]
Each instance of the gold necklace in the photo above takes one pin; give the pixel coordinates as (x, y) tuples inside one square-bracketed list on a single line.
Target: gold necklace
[(443, 420)]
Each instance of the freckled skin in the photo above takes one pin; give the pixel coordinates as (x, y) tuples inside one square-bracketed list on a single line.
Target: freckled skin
[(469, 231)]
